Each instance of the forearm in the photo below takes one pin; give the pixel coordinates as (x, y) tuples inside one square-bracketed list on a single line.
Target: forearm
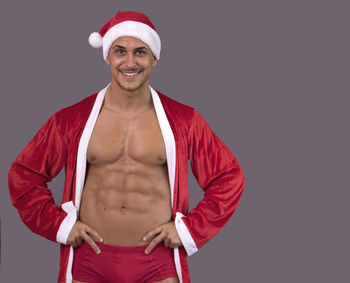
[(219, 175), (38, 163), (211, 214)]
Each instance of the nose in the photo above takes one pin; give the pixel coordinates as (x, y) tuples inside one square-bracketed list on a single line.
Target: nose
[(130, 60)]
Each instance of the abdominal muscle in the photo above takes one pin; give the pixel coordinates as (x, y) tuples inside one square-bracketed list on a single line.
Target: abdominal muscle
[(123, 201)]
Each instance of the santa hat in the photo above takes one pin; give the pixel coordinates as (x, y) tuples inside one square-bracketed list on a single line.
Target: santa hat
[(126, 23)]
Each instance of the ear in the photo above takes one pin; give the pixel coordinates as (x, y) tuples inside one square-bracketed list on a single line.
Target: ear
[(155, 62), (107, 61)]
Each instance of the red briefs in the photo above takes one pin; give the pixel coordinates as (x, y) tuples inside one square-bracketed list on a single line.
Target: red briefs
[(123, 264)]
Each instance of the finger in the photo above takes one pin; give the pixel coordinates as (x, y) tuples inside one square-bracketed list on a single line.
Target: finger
[(79, 241), (152, 244), (72, 242), (72, 236), (152, 233), (93, 233), (173, 245), (167, 242), (91, 242)]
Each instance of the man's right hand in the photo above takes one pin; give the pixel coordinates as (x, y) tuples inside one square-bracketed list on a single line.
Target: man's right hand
[(82, 232)]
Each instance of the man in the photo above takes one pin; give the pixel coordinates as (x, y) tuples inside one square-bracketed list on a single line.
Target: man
[(124, 213)]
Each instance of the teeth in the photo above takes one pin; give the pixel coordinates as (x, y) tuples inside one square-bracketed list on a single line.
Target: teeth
[(130, 74)]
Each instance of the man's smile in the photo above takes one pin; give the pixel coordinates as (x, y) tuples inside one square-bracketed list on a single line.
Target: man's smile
[(129, 74)]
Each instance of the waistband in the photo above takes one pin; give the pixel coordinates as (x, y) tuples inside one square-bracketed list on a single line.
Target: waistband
[(125, 249)]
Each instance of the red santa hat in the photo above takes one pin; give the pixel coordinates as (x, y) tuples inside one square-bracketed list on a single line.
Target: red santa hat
[(126, 23)]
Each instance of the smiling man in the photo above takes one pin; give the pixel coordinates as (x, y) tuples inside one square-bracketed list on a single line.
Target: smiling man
[(124, 214)]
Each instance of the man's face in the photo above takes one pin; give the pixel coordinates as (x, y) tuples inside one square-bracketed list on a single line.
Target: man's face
[(131, 61)]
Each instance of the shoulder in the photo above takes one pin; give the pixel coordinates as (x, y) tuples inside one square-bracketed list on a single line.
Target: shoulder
[(176, 109), (77, 111), (70, 119)]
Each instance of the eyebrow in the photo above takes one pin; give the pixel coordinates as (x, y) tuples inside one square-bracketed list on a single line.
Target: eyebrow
[(118, 46), (136, 49), (141, 48)]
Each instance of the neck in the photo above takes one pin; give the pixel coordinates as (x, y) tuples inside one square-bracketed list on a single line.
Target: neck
[(122, 100)]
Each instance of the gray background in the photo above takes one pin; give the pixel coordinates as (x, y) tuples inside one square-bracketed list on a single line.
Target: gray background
[(270, 77)]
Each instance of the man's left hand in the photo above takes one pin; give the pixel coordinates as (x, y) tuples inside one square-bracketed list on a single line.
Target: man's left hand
[(167, 233)]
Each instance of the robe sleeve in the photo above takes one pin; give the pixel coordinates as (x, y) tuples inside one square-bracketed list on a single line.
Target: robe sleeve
[(219, 175), (38, 163)]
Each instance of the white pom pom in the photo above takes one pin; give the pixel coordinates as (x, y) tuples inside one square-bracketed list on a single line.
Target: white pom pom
[(95, 40)]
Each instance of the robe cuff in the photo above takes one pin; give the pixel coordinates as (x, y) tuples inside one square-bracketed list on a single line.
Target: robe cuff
[(185, 236), (67, 223)]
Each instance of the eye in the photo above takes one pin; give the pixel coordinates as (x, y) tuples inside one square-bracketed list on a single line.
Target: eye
[(140, 52), (119, 51)]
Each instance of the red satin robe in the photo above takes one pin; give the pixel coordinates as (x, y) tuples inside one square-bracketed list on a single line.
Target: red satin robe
[(63, 140)]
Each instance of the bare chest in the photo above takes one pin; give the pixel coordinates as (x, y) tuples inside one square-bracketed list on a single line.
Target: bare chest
[(118, 138)]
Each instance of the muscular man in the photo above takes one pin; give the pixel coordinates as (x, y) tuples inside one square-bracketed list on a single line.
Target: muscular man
[(124, 214)]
